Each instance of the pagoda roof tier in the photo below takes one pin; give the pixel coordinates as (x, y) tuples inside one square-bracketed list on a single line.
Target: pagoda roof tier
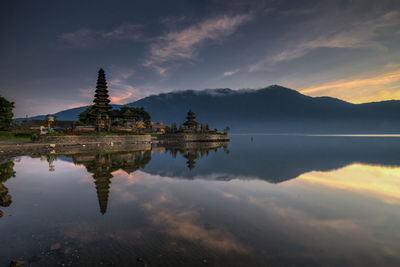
[(101, 95), (104, 102), (97, 106)]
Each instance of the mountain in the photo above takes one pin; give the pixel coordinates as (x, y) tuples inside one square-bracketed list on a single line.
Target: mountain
[(271, 109)]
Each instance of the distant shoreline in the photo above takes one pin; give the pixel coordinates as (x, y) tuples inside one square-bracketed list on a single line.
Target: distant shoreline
[(319, 135)]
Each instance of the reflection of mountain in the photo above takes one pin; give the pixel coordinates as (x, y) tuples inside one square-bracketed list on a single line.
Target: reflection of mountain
[(192, 151), (279, 158), (102, 165)]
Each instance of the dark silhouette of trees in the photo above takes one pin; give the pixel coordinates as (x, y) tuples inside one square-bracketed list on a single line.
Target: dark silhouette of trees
[(6, 113), (140, 114), (84, 118)]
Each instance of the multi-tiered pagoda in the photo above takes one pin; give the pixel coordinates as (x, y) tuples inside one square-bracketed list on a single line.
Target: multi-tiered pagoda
[(101, 108), (190, 123)]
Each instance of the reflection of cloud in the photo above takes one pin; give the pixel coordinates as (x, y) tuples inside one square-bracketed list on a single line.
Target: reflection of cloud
[(376, 181), (379, 87), (170, 217), (303, 219), (82, 231), (230, 196), (333, 238), (122, 183)]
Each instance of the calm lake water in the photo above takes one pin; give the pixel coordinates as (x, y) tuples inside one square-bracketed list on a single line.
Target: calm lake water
[(257, 201)]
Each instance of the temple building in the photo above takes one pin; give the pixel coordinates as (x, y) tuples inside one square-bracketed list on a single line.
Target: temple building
[(190, 123), (101, 109)]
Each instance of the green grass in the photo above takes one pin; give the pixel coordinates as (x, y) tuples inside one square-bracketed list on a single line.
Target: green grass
[(9, 136)]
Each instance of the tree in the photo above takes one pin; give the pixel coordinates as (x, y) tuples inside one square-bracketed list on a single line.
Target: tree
[(84, 118), (226, 130), (202, 128), (6, 113), (147, 123), (140, 114), (173, 127)]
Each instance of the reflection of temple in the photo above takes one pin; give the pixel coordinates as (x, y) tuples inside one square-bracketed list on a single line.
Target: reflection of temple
[(195, 150), (6, 172), (50, 159), (102, 165)]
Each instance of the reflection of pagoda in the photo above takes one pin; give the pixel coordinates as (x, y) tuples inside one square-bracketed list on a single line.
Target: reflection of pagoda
[(193, 151), (102, 165), (102, 182), (190, 156)]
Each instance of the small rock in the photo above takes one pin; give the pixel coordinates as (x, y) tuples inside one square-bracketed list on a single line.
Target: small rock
[(205, 261)]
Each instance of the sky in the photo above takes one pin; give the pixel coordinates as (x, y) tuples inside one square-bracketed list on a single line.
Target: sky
[(50, 51)]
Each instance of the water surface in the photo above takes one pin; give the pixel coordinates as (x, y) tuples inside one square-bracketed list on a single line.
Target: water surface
[(257, 201)]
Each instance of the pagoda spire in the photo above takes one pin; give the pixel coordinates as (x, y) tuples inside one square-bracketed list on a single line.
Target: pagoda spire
[(101, 97), (102, 182)]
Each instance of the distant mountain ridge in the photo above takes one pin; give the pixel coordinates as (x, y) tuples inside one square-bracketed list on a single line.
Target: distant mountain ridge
[(271, 109)]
